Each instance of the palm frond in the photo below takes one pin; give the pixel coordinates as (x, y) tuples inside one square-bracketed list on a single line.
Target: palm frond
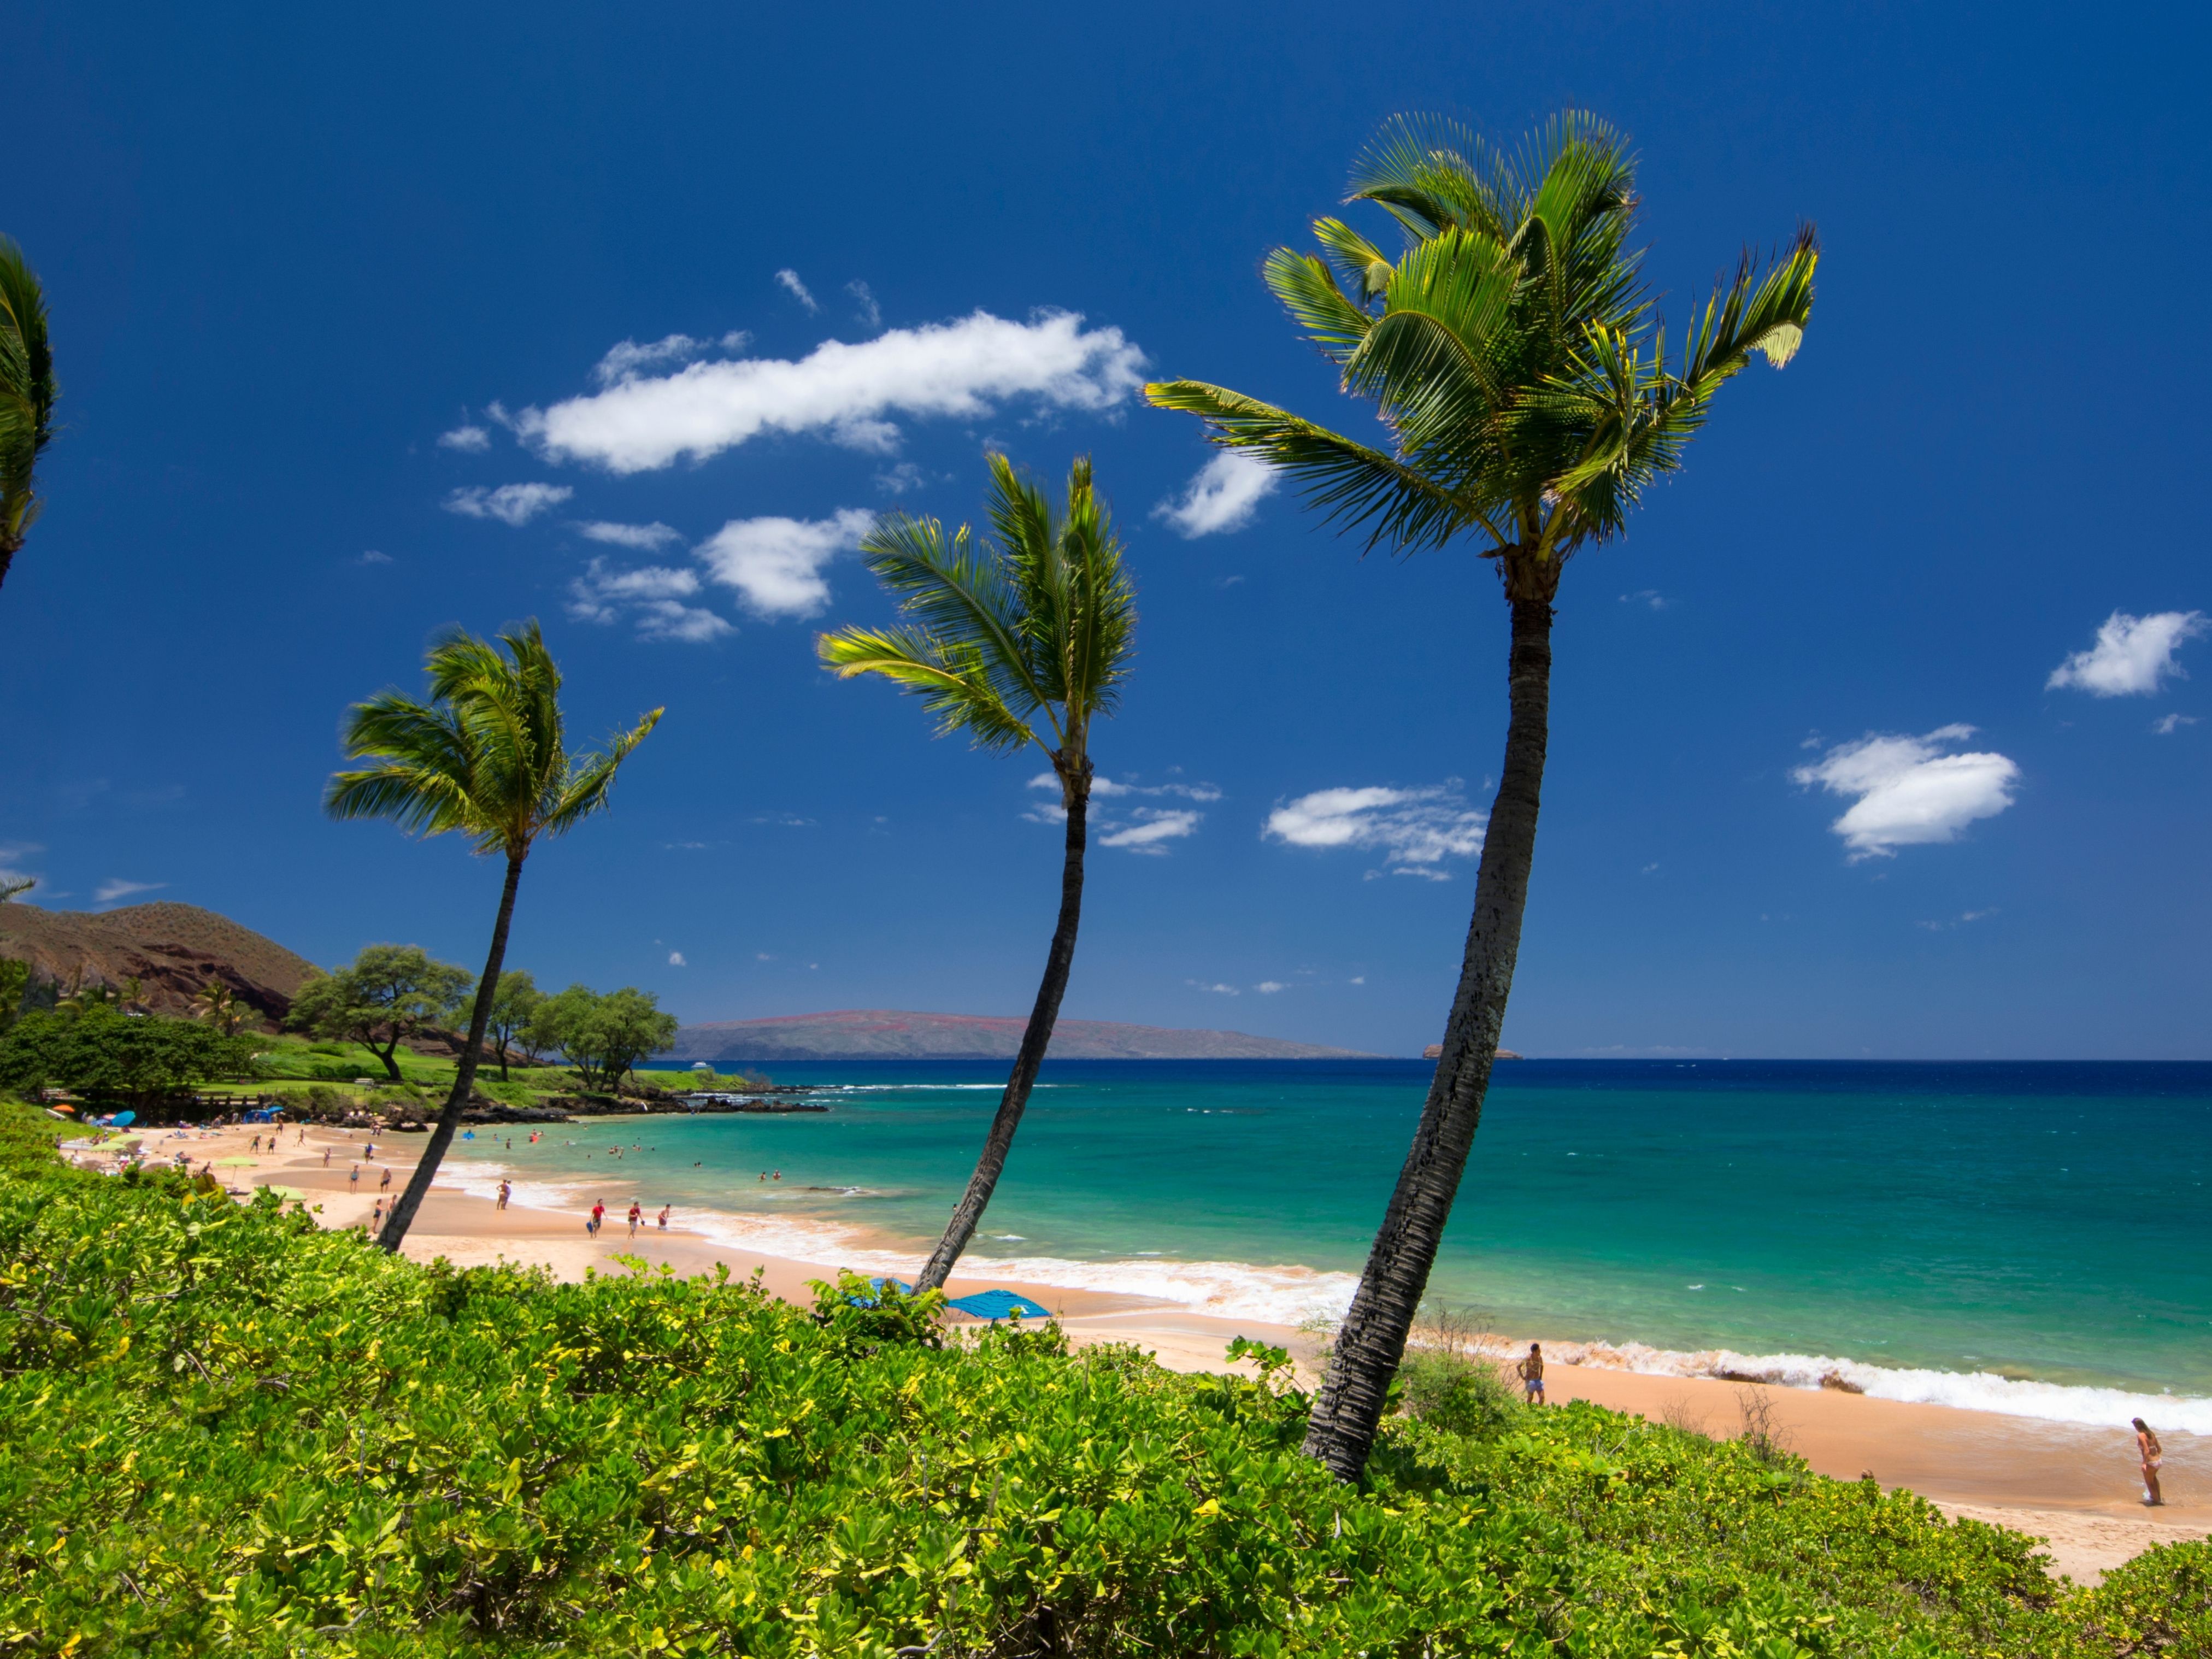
[(948, 677), (958, 596), (1346, 480)]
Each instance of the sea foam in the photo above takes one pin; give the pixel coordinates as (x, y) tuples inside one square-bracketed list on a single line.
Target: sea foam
[(1294, 1296)]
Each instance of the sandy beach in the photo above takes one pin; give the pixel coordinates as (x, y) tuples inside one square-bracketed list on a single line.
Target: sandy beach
[(2075, 1487)]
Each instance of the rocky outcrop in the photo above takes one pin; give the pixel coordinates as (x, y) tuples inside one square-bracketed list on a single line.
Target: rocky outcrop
[(172, 949)]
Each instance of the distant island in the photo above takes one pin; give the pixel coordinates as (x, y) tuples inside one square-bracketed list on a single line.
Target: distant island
[(1435, 1051), (886, 1034)]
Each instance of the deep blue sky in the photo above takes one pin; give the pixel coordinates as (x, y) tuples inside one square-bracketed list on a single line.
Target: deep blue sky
[(287, 248)]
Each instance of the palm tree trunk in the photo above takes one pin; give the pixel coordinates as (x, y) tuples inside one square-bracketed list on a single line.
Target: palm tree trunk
[(426, 1167), (1043, 1018), (1342, 1427)]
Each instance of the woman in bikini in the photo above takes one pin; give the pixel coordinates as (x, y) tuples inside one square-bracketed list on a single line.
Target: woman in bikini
[(2153, 1454)]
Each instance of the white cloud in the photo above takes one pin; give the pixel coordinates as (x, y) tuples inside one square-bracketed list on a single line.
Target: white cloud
[(116, 888), (956, 368), (1963, 919), (1909, 792), (775, 564), (1356, 979), (676, 959), (624, 360), (2131, 657), (2167, 724), (1102, 785), (1217, 988), (1646, 596), (871, 312), (646, 538), (1152, 826), (468, 438), (1224, 496), (787, 279), (652, 596), (1416, 829), (1267, 988), (374, 557), (901, 478), (1134, 829), (515, 504)]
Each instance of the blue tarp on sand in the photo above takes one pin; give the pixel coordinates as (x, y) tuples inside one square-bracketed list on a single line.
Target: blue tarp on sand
[(984, 1304)]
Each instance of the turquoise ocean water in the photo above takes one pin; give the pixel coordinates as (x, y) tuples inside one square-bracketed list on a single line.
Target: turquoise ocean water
[(2030, 1237)]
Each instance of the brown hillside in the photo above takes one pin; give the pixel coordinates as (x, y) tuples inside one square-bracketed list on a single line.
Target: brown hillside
[(172, 949)]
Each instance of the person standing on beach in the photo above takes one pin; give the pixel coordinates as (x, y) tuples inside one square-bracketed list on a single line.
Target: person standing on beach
[(663, 1218), (376, 1219), (505, 1189), (1531, 1372), (2153, 1454), (354, 1178), (599, 1214), (387, 1181), (636, 1215)]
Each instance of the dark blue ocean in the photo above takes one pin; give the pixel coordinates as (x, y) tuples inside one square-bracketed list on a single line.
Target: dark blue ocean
[(2033, 1231)]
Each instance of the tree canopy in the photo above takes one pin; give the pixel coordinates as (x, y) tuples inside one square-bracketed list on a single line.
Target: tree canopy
[(387, 993), (110, 1056), (602, 1036)]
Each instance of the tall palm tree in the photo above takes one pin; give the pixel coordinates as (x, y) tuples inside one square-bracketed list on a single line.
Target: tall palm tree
[(27, 396), (1515, 361), (485, 755), (1023, 642)]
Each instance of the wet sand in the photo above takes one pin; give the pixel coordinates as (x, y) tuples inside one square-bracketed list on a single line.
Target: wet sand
[(2075, 1487)]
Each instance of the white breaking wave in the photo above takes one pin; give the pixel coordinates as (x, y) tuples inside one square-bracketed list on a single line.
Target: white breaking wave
[(1977, 1391), (1294, 1295)]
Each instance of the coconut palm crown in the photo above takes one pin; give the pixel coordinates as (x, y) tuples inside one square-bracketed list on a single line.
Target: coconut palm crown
[(1530, 396), (1022, 641), (485, 757), (27, 391)]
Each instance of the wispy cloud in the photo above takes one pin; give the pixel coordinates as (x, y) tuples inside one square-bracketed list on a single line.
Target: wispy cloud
[(515, 504), (1129, 829), (468, 438), (1649, 597), (960, 368), (1909, 791), (116, 888), (2132, 657), (787, 280), (1267, 988), (652, 597), (676, 959), (775, 564), (1965, 918), (1223, 496), (864, 302), (2167, 724), (626, 359), (1152, 826), (1106, 787), (901, 478), (1416, 830), (373, 556), (645, 538), (1218, 989)]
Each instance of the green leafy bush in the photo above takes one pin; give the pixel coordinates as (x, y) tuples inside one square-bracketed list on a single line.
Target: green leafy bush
[(231, 1432), (110, 1056), (1459, 1392)]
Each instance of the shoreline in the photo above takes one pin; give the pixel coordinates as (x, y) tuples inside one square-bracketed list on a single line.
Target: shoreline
[(2072, 1483)]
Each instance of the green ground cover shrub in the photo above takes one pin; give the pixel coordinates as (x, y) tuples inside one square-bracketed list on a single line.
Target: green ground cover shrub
[(230, 1432)]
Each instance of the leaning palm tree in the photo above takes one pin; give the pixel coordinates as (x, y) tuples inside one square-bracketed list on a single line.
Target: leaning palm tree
[(485, 755), (27, 396), (1025, 642), (1525, 384)]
